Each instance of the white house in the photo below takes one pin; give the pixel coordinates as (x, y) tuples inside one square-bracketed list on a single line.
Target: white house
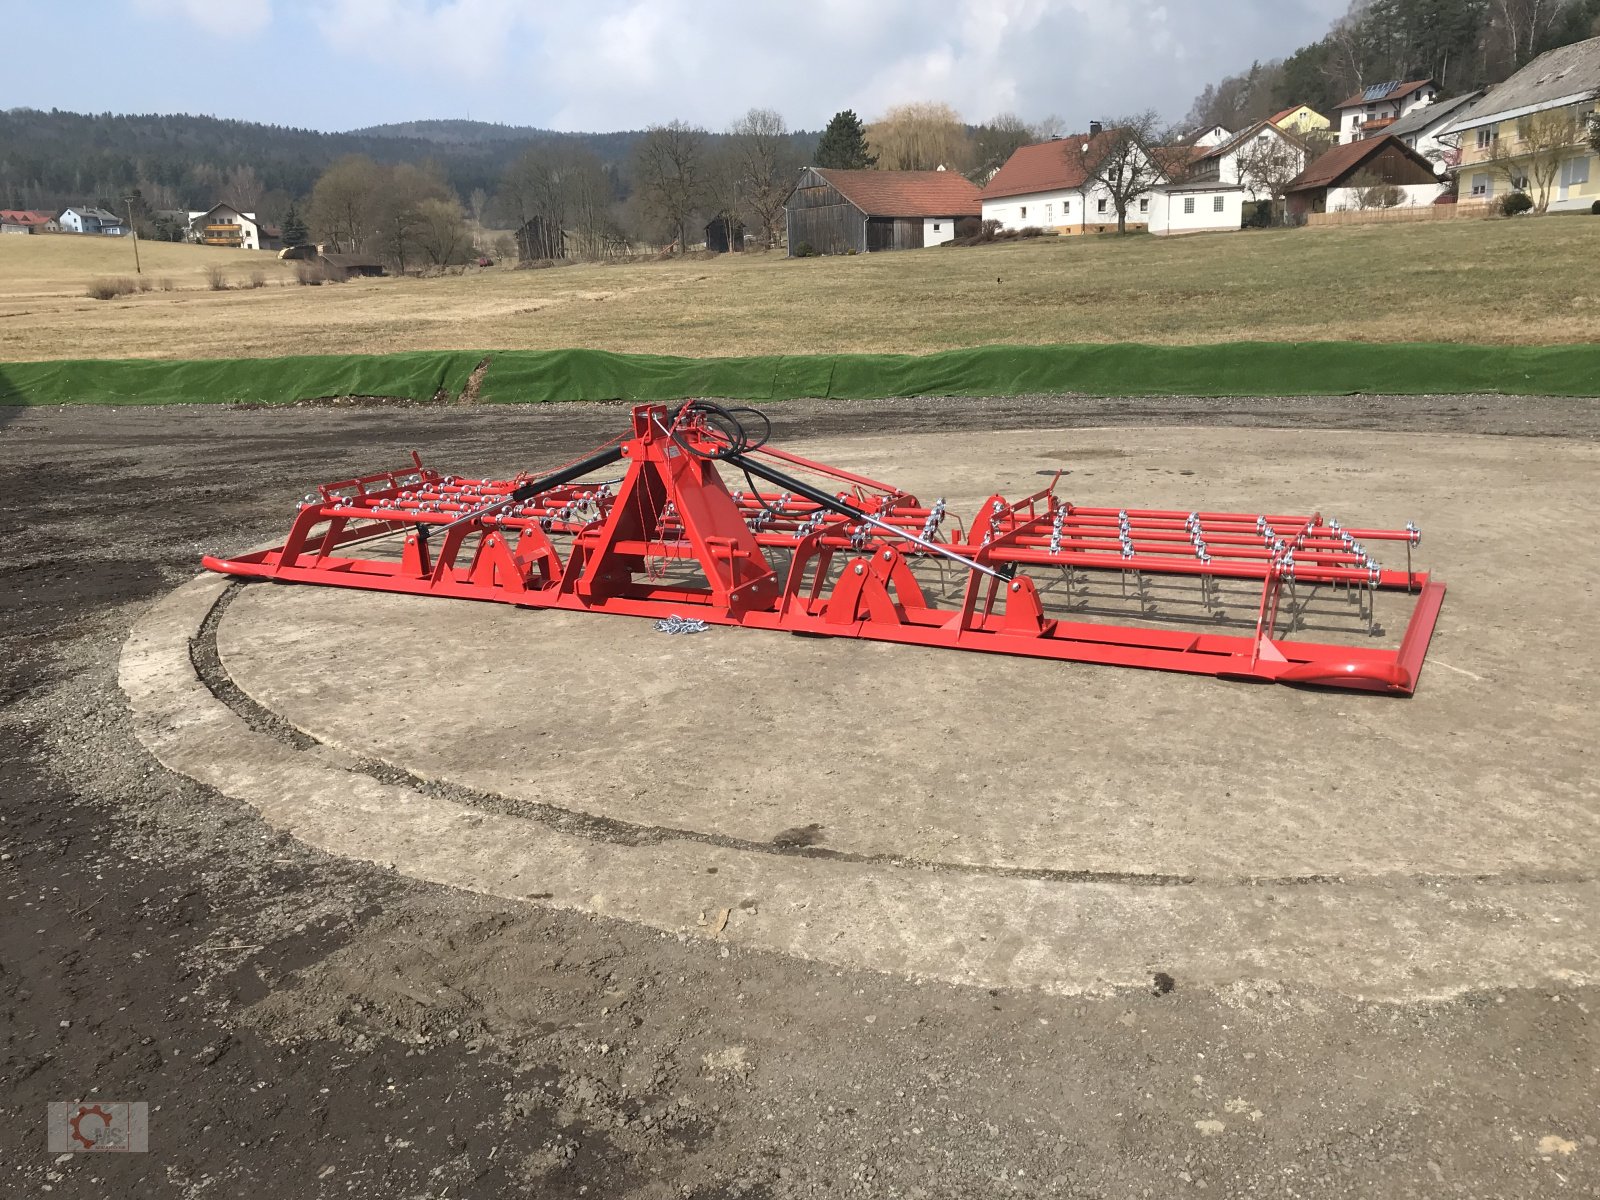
[(1221, 163), (1190, 207), (1374, 108), (225, 225), (1206, 138), (1424, 129), (1051, 185), (89, 219)]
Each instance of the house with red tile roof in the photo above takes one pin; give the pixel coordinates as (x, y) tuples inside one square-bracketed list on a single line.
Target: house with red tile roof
[(1339, 180), (841, 212), (15, 220), (1052, 185), (1383, 103)]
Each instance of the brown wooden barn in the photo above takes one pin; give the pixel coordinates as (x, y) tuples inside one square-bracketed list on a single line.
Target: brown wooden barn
[(1336, 181), (835, 212)]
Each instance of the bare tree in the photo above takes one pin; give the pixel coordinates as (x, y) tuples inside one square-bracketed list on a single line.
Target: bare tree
[(1120, 161), (670, 173), (767, 165), (1519, 26), (997, 140), (920, 137), (1266, 168), (1543, 140), (401, 223), (442, 232), (245, 190), (344, 202)]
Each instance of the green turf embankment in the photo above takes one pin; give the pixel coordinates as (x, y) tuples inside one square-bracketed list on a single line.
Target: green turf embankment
[(546, 376), (416, 375)]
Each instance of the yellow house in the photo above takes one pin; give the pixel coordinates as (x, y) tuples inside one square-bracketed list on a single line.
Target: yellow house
[(1301, 119), (1531, 134)]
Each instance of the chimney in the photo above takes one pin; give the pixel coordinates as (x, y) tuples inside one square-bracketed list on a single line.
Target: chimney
[(1096, 129)]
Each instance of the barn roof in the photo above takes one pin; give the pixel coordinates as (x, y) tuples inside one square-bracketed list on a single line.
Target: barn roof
[(1343, 160), (906, 193), (1057, 165)]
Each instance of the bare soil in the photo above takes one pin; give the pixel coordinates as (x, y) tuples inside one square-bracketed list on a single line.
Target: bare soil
[(307, 1027)]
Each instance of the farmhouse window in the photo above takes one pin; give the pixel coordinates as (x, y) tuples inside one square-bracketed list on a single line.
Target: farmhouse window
[(1485, 137), (936, 227), (1575, 171), (1480, 185), (1216, 203), (1188, 204), (1144, 205), (1102, 206), (1024, 211)]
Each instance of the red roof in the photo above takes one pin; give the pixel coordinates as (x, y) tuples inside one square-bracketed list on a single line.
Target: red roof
[(907, 193), (1288, 112), (1053, 166), (1342, 161), (22, 216), (1398, 91)]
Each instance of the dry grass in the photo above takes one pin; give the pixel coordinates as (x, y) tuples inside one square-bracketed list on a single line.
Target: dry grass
[(1501, 282)]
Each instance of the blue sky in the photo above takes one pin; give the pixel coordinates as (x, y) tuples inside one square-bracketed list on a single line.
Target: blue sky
[(614, 64)]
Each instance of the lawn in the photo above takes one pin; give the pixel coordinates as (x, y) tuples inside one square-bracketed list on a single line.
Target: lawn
[(1527, 281)]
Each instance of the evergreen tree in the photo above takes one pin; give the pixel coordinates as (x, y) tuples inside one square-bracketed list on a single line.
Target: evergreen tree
[(844, 144), (294, 228)]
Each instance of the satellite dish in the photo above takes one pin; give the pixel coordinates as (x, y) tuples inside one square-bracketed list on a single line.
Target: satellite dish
[(1439, 167)]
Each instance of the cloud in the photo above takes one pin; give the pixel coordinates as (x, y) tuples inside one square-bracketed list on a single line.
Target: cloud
[(222, 20), (608, 64)]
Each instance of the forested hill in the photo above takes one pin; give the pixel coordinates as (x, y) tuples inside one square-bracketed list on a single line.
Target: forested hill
[(49, 160), (1464, 44), (611, 147)]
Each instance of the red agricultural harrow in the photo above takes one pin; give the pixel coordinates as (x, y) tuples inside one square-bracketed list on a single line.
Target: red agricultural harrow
[(853, 557)]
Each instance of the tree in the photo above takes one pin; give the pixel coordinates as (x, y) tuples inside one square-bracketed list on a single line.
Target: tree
[(766, 164), (669, 167), (400, 220), (556, 187), (295, 232), (1120, 161), (997, 140), (1518, 28), (1266, 168), (920, 137), (843, 145), (1543, 140), (244, 189), (344, 202), (442, 231)]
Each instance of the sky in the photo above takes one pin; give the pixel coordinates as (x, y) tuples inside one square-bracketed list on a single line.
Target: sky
[(599, 65)]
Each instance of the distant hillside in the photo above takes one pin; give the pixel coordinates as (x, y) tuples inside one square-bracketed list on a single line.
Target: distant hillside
[(53, 159), (451, 134)]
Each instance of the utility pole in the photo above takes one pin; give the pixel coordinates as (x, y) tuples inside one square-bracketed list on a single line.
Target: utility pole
[(134, 233)]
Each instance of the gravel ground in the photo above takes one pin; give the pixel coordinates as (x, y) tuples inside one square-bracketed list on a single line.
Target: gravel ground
[(311, 1027)]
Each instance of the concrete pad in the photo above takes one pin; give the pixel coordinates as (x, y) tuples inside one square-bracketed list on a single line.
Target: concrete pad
[(995, 820)]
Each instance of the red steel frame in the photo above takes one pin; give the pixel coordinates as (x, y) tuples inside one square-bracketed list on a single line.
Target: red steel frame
[(672, 506)]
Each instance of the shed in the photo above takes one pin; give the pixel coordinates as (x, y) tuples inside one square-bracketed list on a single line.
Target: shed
[(350, 266), (835, 212), (1335, 181), (725, 235)]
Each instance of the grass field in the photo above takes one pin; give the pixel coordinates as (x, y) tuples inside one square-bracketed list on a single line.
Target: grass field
[(1529, 281)]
